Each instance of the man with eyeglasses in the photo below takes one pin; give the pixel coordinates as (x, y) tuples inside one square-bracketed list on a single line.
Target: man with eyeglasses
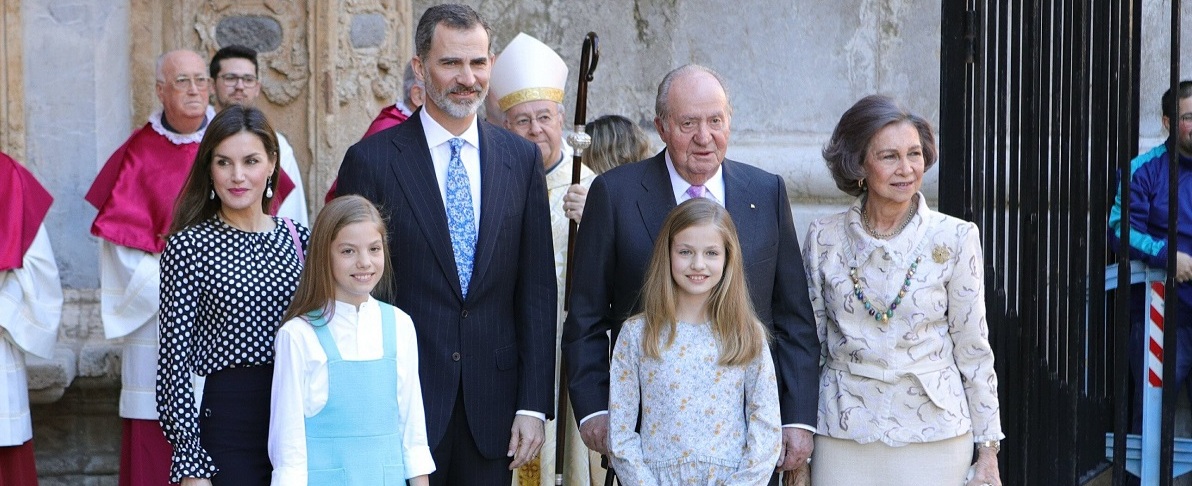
[(527, 83), (235, 72), (1148, 233), (134, 193)]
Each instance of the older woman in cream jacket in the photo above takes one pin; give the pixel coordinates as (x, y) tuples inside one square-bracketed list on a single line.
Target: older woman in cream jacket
[(908, 386)]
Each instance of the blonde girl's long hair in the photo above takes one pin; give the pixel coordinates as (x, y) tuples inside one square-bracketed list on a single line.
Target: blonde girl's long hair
[(740, 335), (316, 287)]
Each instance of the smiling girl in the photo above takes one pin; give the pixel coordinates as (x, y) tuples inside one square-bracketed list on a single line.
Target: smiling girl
[(695, 364), (347, 403)]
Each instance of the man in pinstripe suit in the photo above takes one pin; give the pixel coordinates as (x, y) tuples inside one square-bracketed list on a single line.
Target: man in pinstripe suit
[(471, 255)]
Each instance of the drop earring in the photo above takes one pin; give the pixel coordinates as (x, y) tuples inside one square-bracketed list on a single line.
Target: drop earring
[(212, 195), (269, 191)]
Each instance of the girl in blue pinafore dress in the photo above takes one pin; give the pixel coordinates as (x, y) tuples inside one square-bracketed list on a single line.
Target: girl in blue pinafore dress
[(346, 404)]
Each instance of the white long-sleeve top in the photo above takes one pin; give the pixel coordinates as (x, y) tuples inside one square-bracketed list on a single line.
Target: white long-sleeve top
[(300, 385), (130, 291), (30, 311), (294, 207)]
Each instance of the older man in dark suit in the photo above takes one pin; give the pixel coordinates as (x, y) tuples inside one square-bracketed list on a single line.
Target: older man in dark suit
[(470, 240), (625, 209)]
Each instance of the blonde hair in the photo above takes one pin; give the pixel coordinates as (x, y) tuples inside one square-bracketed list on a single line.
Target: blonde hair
[(740, 335), (316, 287), (615, 141)]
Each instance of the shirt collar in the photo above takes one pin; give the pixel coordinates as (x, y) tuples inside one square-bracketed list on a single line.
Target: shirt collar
[(437, 135), (714, 187)]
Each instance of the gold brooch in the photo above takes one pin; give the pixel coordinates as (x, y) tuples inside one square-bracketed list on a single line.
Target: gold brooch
[(941, 253)]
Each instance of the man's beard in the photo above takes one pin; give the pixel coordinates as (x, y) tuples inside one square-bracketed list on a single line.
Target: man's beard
[(455, 109)]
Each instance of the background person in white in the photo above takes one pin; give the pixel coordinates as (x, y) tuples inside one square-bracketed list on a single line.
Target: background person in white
[(528, 80)]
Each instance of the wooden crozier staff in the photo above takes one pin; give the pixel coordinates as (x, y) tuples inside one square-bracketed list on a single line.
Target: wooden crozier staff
[(579, 140)]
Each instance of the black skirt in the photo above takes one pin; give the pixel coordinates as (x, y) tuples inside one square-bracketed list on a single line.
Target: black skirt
[(234, 424)]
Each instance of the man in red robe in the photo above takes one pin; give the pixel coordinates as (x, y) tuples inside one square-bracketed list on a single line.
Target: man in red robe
[(134, 193)]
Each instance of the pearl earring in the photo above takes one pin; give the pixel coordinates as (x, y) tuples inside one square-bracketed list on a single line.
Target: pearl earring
[(268, 191), (212, 195)]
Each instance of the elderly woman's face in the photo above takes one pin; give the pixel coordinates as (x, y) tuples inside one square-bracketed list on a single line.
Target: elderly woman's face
[(894, 165)]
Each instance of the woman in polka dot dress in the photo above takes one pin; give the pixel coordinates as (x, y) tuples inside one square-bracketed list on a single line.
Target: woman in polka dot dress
[(228, 272)]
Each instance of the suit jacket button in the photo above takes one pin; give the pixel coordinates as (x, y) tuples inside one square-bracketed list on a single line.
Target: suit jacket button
[(455, 356), (464, 314)]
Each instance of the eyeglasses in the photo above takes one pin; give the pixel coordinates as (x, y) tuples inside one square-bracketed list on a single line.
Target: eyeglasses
[(543, 119), (230, 80), (1186, 118), (183, 83)]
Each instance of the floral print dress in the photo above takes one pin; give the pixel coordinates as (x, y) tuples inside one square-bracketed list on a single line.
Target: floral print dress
[(701, 423)]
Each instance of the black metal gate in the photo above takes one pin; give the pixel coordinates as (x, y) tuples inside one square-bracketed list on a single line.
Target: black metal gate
[(1038, 110)]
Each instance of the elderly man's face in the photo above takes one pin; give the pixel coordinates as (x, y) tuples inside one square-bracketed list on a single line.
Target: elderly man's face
[(237, 83), (539, 122), (696, 131), (183, 89)]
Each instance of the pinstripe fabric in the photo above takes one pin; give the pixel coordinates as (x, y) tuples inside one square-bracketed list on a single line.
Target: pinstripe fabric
[(499, 341)]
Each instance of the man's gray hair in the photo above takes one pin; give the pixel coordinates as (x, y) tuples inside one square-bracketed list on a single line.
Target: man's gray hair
[(451, 15), (661, 102), (409, 82)]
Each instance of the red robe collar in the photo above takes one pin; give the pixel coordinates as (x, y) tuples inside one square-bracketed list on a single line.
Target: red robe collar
[(136, 189), (25, 206)]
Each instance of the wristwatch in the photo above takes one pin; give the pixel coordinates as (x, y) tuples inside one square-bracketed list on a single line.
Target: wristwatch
[(990, 444)]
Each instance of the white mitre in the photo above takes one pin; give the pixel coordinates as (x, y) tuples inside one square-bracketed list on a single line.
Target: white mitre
[(527, 70)]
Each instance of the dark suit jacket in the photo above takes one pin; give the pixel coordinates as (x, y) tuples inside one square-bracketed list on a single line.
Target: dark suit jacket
[(625, 210), (498, 344)]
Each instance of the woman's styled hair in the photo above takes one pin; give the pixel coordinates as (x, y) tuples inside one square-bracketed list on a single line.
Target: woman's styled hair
[(740, 336), (194, 205), (316, 287), (615, 141), (845, 152)]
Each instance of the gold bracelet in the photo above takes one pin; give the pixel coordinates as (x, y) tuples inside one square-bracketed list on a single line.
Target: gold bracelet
[(990, 444)]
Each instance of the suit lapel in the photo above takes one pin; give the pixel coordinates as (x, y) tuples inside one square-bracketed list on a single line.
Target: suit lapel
[(415, 173), (494, 171), (740, 202), (658, 198)]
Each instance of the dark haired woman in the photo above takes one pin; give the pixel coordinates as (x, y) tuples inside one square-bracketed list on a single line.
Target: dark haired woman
[(228, 274)]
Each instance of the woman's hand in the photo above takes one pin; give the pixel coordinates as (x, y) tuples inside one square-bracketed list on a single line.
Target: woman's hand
[(986, 472), (196, 482)]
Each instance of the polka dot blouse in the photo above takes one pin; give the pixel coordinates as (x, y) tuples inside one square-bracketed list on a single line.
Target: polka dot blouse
[(223, 293)]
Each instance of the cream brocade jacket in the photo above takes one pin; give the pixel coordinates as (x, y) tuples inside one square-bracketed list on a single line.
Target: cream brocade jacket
[(927, 373)]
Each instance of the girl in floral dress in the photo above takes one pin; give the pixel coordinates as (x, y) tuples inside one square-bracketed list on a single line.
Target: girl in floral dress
[(695, 364)]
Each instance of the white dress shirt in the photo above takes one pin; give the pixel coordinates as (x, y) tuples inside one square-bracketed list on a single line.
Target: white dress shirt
[(713, 188), (300, 385)]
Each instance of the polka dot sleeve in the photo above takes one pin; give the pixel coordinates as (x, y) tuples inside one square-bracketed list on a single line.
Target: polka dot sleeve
[(180, 270)]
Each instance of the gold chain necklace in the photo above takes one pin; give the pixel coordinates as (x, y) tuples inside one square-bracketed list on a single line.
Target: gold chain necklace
[(906, 220)]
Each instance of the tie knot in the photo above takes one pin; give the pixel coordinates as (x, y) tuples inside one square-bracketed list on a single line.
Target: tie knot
[(695, 191), (456, 143)]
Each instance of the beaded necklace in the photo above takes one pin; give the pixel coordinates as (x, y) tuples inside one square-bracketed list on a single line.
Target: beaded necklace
[(880, 315), (885, 315)]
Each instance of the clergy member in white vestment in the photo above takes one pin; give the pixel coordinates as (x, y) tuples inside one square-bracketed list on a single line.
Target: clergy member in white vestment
[(527, 81), (30, 311)]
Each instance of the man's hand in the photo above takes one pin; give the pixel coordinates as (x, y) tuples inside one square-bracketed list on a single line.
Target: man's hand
[(595, 433), (1183, 267), (573, 202), (528, 435), (797, 445)]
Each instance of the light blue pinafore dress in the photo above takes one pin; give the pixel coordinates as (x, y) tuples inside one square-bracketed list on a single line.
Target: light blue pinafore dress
[(356, 439)]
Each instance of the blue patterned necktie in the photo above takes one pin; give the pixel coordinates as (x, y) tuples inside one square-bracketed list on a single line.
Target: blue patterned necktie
[(460, 219)]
